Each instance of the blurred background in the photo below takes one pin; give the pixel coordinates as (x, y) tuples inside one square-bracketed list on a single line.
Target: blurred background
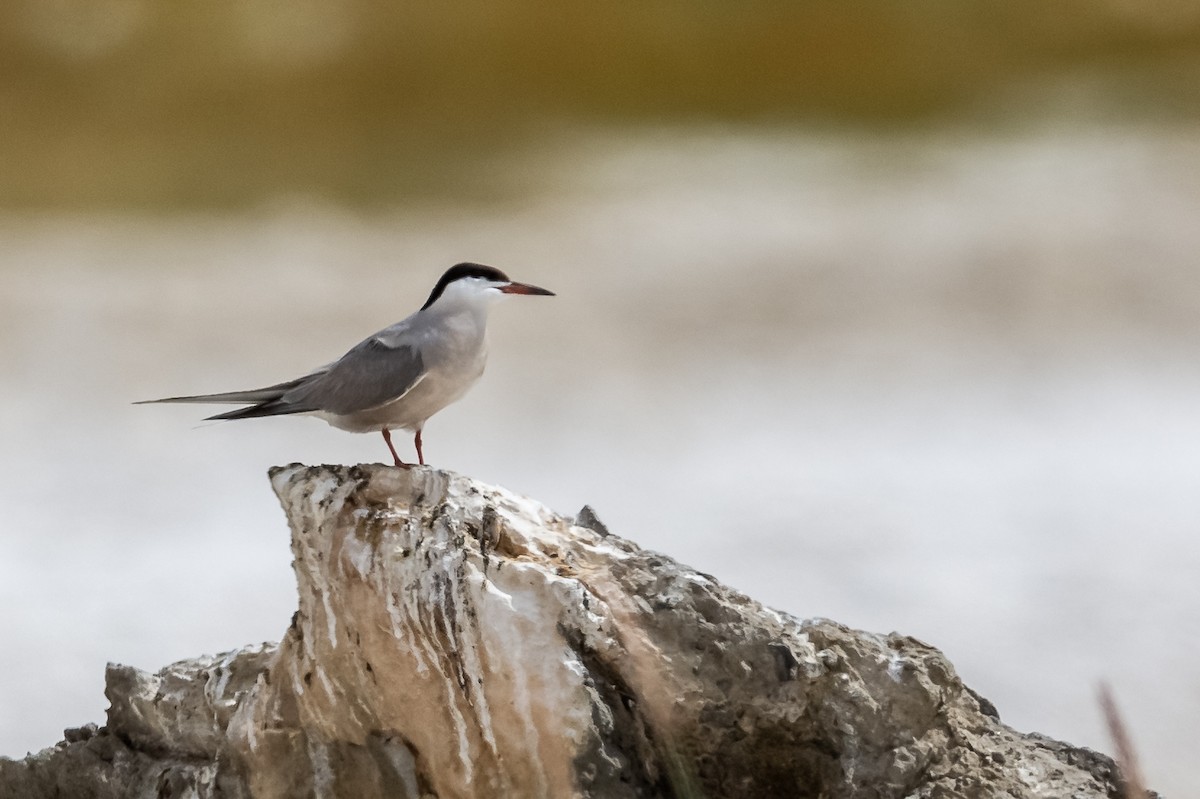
[(883, 312)]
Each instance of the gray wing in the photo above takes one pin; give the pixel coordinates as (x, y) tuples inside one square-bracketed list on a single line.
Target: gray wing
[(374, 373)]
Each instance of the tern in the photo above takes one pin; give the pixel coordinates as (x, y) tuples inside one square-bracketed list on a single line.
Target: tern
[(400, 376)]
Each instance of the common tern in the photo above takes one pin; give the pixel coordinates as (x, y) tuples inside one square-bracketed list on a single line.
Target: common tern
[(400, 376)]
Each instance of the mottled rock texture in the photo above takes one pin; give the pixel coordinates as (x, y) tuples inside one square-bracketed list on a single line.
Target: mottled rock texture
[(456, 640)]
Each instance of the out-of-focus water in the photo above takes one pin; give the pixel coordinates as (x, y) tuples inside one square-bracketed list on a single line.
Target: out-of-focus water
[(946, 387)]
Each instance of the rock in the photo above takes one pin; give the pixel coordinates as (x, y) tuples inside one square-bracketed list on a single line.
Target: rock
[(456, 640)]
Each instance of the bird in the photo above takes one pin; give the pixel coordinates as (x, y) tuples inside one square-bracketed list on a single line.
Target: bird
[(401, 375)]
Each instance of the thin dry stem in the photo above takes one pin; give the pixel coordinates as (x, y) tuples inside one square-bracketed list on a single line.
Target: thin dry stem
[(1126, 756)]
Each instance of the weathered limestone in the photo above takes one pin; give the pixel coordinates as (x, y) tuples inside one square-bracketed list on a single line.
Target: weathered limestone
[(455, 640)]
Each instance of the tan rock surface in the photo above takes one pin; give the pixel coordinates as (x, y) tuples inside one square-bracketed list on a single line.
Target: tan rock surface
[(456, 640)]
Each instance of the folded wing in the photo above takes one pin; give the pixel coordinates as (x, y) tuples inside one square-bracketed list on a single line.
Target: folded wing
[(372, 374)]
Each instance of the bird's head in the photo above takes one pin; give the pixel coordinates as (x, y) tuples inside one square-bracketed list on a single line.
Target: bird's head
[(475, 283)]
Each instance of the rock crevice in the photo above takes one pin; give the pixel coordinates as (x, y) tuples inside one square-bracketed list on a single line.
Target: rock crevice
[(456, 640)]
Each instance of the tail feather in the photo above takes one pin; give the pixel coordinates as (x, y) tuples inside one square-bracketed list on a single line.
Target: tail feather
[(273, 407), (257, 396)]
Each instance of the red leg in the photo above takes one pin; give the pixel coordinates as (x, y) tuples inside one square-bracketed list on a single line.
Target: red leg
[(420, 454), (387, 437)]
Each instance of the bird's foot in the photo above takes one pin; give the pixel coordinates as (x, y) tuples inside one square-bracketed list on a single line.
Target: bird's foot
[(387, 437)]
